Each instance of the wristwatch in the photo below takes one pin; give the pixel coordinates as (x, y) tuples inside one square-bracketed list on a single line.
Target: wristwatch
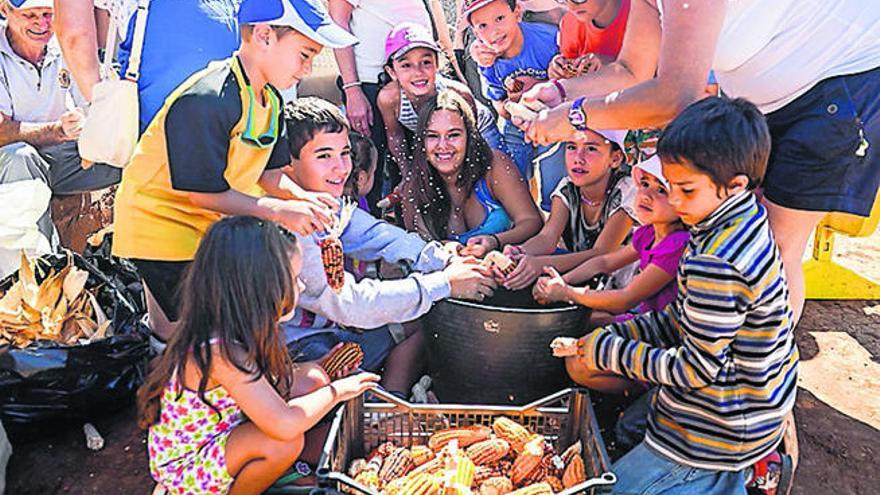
[(577, 116)]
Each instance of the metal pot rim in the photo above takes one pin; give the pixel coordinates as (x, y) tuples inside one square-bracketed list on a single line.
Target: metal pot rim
[(506, 309)]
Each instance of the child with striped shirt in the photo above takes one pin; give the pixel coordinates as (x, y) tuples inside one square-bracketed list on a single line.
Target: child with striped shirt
[(723, 354)]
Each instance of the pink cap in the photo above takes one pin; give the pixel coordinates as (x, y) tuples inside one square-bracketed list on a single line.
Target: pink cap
[(406, 36)]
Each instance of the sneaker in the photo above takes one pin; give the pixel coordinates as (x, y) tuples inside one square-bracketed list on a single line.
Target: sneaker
[(772, 475)]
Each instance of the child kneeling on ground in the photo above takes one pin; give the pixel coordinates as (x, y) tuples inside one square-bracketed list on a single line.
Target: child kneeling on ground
[(227, 410), (723, 354), (321, 162), (657, 245)]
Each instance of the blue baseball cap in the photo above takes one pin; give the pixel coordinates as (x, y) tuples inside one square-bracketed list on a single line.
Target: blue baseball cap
[(309, 17), (31, 4)]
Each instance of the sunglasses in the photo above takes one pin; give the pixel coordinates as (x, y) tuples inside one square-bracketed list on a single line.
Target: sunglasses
[(579, 2), (268, 138)]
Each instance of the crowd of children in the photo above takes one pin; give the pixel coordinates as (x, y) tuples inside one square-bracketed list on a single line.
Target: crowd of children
[(229, 201)]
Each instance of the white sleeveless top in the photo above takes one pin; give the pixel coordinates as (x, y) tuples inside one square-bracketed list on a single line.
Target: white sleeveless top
[(772, 51)]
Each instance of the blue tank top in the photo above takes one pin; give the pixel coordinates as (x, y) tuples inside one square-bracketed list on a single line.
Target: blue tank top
[(497, 220)]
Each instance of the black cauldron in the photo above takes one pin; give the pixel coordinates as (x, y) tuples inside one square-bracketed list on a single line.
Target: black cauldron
[(498, 351)]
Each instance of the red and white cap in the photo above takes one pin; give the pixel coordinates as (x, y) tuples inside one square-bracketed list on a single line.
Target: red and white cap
[(468, 7)]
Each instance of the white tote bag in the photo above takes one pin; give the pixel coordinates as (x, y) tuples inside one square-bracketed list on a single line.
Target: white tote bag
[(110, 132)]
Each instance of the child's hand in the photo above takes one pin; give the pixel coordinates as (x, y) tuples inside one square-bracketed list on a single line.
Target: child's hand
[(560, 68), (302, 216), (551, 287), (587, 64), (564, 347), (350, 387), (478, 246), (514, 252), (453, 248), (482, 54), (470, 281), (526, 272)]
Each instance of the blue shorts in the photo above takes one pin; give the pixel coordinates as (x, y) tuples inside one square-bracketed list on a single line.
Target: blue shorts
[(376, 344), (818, 160)]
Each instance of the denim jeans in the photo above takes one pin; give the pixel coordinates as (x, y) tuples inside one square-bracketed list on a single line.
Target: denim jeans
[(645, 472)]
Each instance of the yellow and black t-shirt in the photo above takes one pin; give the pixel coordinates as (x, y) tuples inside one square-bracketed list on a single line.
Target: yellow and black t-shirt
[(211, 135)]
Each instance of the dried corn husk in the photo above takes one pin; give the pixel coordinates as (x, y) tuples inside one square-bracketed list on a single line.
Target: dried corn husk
[(59, 308)]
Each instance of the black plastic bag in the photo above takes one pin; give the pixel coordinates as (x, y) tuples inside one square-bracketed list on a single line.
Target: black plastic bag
[(48, 384)]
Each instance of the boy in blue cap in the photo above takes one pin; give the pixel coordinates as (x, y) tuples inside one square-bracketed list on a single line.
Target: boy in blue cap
[(218, 136)]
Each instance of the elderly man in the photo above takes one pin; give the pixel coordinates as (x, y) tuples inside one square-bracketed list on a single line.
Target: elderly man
[(39, 118)]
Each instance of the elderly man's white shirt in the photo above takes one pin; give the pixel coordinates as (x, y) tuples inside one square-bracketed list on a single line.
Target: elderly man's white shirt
[(35, 94)]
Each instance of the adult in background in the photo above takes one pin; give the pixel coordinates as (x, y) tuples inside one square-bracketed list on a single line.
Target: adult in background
[(40, 117), (360, 66), (180, 38), (813, 68)]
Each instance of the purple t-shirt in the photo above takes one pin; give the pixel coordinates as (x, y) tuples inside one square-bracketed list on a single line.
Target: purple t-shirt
[(664, 255)]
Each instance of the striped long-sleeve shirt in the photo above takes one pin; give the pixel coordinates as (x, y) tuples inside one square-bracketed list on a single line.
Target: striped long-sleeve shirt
[(723, 353)]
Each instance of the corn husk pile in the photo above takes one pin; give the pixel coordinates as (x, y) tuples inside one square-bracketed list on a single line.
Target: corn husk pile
[(58, 309)]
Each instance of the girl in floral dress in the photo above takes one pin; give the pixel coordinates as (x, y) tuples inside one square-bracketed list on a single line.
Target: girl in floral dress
[(218, 404)]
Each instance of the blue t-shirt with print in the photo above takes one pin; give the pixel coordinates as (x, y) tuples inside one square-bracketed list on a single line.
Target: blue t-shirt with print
[(539, 47), (181, 38)]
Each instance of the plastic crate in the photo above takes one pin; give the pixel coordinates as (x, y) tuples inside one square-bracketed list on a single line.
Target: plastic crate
[(358, 427)]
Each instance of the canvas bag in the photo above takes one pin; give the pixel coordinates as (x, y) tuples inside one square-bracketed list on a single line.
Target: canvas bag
[(110, 132)]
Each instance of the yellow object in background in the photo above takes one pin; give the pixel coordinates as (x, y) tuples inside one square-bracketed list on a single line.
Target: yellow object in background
[(828, 280)]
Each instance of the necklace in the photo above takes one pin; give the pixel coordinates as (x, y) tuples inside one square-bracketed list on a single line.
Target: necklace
[(589, 202)]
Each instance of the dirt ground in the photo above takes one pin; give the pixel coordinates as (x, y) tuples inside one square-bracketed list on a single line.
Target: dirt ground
[(837, 452)]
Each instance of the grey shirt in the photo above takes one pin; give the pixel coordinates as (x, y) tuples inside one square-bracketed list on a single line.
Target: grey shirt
[(35, 94)]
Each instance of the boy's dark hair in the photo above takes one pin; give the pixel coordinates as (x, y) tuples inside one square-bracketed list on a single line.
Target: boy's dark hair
[(308, 116), (721, 137)]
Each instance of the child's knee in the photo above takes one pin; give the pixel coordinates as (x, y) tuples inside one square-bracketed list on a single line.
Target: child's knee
[(308, 377), (284, 452)]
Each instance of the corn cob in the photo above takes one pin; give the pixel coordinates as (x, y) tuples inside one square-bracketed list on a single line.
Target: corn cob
[(433, 466), (555, 483), (398, 464), (505, 264), (528, 466), (459, 477), (334, 262), (553, 465), (573, 450), (331, 248), (482, 473), (356, 467), (422, 484), (498, 485), (574, 472), (466, 436), (348, 355), (488, 451), (395, 486), (421, 454), (369, 479), (514, 433), (541, 488), (383, 450)]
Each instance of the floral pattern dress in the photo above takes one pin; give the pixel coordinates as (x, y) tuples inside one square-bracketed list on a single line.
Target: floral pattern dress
[(187, 446)]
